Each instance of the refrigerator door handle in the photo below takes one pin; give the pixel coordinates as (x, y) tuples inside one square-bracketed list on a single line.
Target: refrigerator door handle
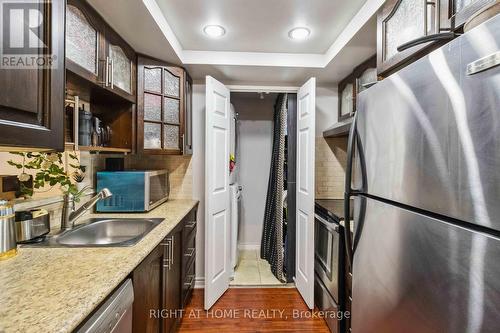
[(353, 142), (348, 190)]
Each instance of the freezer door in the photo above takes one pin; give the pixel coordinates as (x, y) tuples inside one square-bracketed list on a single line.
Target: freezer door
[(416, 274), (430, 133)]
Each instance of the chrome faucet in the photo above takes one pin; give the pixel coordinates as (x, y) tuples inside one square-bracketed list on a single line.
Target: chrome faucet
[(70, 215)]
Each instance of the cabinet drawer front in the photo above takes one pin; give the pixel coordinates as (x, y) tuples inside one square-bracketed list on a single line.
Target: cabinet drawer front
[(188, 283), (188, 252), (189, 227)]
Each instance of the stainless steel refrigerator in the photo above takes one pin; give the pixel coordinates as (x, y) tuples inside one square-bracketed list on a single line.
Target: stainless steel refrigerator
[(425, 158)]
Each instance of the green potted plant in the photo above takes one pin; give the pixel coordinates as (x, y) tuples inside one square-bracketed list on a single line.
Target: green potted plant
[(49, 171)]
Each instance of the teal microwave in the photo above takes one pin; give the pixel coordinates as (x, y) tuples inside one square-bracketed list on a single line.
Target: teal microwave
[(133, 191)]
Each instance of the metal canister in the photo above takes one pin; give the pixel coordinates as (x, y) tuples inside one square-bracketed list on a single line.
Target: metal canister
[(8, 246)]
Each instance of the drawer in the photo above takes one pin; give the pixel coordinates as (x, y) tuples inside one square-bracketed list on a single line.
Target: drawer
[(189, 226), (188, 284), (188, 252), (325, 302)]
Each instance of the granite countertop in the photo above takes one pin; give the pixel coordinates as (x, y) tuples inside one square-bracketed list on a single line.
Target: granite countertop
[(55, 289)]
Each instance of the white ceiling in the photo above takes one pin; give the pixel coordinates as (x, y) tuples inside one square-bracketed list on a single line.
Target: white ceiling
[(259, 25), (361, 47), (247, 56)]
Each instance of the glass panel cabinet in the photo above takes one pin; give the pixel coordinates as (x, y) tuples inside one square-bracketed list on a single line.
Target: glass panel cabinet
[(417, 27), (96, 53), (404, 24), (346, 101), (161, 107), (361, 78), (81, 40), (122, 68), (400, 22)]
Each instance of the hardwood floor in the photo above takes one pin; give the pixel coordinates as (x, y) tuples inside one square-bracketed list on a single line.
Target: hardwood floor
[(245, 310)]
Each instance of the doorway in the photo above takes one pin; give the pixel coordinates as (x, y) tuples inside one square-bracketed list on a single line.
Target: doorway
[(252, 139), (222, 156)]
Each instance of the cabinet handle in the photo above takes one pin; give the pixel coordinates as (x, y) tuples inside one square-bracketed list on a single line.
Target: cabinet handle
[(106, 74), (190, 225), (183, 142), (112, 62), (426, 39), (167, 263), (191, 279), (172, 251), (190, 254)]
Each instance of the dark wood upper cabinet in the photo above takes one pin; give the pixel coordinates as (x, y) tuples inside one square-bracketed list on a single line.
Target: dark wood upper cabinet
[(84, 41), (400, 22), (461, 10), (361, 78), (32, 99), (96, 53), (409, 29), (161, 107), (121, 60)]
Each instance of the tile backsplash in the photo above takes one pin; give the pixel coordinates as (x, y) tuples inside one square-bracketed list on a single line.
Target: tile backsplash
[(180, 168), (331, 156)]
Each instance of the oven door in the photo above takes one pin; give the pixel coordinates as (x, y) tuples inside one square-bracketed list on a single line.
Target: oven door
[(327, 245)]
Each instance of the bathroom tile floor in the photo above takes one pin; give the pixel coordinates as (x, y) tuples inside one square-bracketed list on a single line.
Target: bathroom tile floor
[(254, 271)]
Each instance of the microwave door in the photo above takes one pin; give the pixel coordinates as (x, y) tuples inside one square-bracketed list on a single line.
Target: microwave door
[(157, 188)]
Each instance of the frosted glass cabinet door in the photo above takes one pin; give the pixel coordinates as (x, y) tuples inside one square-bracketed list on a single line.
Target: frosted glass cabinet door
[(152, 79), (346, 106), (171, 137), (122, 68), (152, 136), (81, 40), (406, 23), (171, 84)]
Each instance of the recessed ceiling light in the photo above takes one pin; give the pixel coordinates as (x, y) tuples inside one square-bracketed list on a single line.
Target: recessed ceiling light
[(214, 31), (299, 33)]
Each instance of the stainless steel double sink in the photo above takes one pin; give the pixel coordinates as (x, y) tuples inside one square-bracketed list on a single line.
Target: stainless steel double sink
[(102, 232)]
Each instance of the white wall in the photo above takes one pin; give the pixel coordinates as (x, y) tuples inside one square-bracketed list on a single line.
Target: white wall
[(255, 149), (326, 108), (326, 116)]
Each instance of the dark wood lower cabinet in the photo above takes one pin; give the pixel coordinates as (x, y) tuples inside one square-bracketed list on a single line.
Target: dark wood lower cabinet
[(172, 283), (147, 279), (164, 280)]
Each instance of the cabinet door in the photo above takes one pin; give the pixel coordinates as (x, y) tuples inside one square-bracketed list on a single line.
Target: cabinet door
[(32, 97), (148, 283), (347, 98), (172, 282), (84, 39), (160, 124), (462, 10), (399, 22), (120, 60)]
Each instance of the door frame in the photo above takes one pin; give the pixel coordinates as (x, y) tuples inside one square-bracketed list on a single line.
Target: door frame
[(258, 89)]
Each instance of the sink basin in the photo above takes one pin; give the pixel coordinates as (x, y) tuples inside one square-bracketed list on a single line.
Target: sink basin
[(101, 232)]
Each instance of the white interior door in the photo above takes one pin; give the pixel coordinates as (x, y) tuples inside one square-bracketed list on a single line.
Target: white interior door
[(217, 211), (304, 262)]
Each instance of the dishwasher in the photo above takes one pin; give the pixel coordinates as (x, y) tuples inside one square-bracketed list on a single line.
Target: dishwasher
[(114, 315)]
